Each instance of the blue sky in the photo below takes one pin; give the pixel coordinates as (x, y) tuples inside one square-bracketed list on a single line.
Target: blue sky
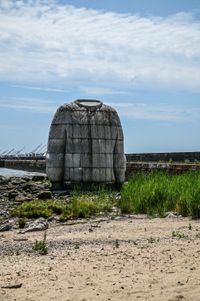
[(141, 57)]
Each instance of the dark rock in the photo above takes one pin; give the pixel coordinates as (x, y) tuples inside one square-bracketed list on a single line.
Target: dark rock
[(4, 180), (12, 195), (39, 178), (44, 195), (5, 227), (14, 285)]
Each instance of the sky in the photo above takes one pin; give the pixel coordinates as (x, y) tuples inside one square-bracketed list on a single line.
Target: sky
[(141, 57)]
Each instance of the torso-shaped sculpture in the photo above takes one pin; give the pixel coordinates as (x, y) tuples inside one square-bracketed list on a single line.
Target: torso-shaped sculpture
[(85, 144)]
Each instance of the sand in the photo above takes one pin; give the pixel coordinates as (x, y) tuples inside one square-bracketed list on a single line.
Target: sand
[(126, 259)]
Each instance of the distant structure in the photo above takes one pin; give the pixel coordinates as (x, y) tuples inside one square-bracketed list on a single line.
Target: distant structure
[(85, 145)]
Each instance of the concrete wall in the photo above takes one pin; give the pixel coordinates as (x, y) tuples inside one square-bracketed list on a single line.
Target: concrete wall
[(27, 165), (164, 157), (132, 168)]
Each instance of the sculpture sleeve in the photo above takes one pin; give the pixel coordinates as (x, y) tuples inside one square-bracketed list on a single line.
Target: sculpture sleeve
[(56, 149), (119, 157)]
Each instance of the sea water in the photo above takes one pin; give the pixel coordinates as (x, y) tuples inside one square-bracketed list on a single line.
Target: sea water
[(5, 172)]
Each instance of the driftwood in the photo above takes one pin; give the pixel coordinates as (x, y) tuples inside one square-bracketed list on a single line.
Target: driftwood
[(86, 144)]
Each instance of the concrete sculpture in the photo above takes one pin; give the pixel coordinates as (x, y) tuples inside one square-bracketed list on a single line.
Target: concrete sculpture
[(85, 145)]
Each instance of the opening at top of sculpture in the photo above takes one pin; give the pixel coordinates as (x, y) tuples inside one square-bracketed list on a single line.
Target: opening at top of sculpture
[(89, 102), (85, 145)]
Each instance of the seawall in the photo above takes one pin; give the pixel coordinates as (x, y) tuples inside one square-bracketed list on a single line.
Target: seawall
[(174, 163), (165, 157)]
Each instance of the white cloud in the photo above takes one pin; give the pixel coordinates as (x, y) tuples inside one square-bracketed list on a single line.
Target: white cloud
[(46, 89), (137, 111), (43, 40), (34, 105), (159, 112), (102, 91)]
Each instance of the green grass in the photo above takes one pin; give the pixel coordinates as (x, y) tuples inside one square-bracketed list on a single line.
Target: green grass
[(158, 193), (38, 208), (87, 205), (80, 206), (152, 194), (41, 246)]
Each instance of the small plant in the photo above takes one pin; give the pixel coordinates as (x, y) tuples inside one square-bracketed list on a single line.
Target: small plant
[(151, 240), (190, 227), (17, 253), (116, 243), (41, 246), (77, 246), (179, 234), (22, 222)]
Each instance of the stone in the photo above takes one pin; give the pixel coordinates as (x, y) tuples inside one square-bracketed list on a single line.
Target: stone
[(12, 195), (11, 286), (170, 215), (39, 178), (39, 224), (44, 195), (5, 227)]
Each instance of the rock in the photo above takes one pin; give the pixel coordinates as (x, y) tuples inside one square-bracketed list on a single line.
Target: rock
[(39, 224), (14, 285), (12, 195), (5, 227), (44, 195), (170, 215), (4, 180), (20, 239), (39, 178)]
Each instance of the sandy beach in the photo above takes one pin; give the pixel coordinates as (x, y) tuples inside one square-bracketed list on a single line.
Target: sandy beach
[(133, 258)]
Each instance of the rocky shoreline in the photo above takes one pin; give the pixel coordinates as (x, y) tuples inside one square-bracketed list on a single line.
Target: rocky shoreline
[(15, 190)]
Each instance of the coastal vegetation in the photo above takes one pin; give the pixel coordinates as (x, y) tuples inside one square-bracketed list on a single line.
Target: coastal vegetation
[(79, 205), (158, 193), (153, 194)]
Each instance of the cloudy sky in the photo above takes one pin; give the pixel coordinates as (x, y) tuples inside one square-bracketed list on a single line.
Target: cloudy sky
[(141, 57)]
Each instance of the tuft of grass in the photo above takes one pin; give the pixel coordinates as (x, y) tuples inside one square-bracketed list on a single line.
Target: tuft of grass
[(22, 222), (77, 246), (116, 243), (86, 205), (81, 205), (157, 193), (41, 246), (179, 234), (38, 208)]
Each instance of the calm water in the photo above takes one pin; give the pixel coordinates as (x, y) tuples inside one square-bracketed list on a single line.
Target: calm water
[(16, 173)]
